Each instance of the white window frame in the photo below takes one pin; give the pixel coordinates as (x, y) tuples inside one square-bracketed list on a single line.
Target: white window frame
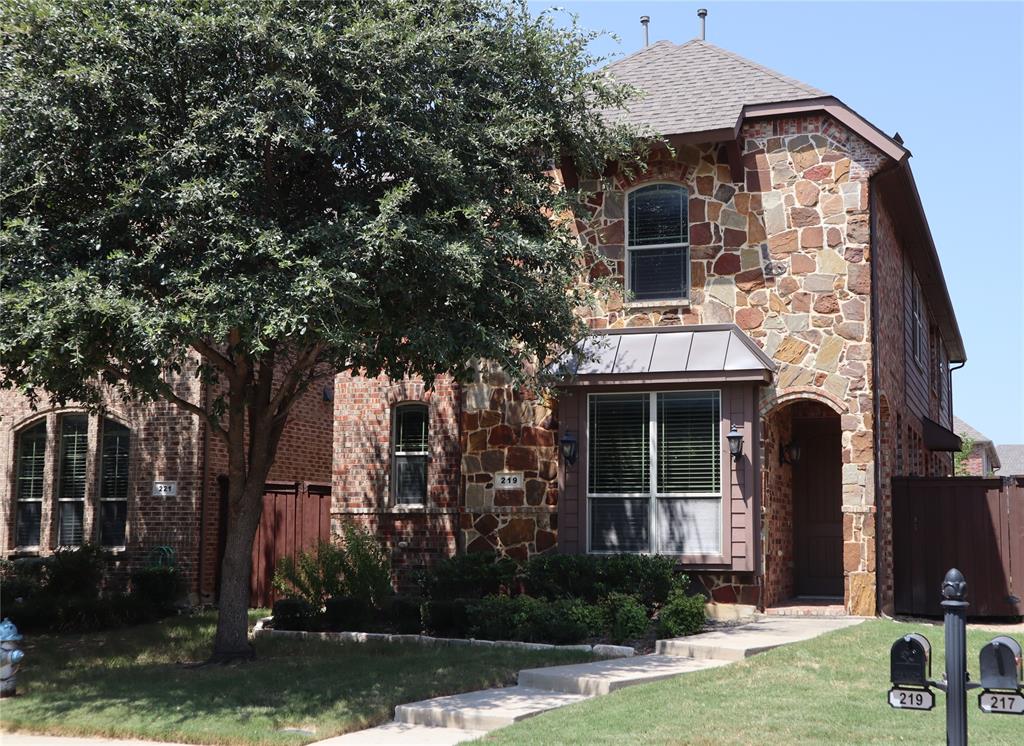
[(685, 297), (99, 483), (653, 495), (395, 453), (18, 500), (59, 477)]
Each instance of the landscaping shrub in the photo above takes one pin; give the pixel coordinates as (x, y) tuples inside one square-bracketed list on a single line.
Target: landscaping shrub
[(591, 578), (446, 617), (682, 614), (366, 569), (359, 567), (21, 579), (76, 572), (313, 576), (47, 613), (159, 585), (560, 622), (347, 614), (625, 616), (293, 614), (469, 576), (404, 614)]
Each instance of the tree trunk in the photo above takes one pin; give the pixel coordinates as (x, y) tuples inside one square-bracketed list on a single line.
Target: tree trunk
[(232, 639)]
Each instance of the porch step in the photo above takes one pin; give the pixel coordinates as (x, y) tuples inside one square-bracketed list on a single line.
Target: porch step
[(604, 677), (484, 710), (737, 643)]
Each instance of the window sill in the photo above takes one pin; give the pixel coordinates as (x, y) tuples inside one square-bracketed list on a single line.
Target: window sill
[(651, 304), (407, 507)]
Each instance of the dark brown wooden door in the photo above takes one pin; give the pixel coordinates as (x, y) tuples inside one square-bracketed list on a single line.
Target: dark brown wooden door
[(817, 508)]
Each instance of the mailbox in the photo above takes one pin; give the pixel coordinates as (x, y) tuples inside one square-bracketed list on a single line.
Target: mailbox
[(1000, 663), (910, 661)]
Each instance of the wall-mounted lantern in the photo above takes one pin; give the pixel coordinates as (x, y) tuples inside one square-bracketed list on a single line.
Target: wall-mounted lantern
[(570, 448), (735, 438), (789, 453)]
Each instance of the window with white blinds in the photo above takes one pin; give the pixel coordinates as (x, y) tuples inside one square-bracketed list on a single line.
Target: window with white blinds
[(410, 442), (654, 472), (113, 514), (30, 469), (74, 450), (657, 243)]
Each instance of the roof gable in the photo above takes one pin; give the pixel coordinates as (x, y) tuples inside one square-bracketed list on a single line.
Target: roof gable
[(696, 87)]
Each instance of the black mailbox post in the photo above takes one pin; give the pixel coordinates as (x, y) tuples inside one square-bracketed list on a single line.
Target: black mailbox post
[(910, 661), (1000, 663)]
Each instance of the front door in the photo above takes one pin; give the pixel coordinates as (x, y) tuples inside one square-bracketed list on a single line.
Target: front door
[(817, 507)]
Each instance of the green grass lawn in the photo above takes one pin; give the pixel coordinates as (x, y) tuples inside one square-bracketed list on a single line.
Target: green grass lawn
[(831, 690), (131, 683)]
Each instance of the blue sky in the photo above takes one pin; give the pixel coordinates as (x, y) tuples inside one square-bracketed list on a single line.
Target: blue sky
[(948, 77)]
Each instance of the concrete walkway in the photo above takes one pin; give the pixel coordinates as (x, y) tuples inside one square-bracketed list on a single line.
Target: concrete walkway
[(463, 717)]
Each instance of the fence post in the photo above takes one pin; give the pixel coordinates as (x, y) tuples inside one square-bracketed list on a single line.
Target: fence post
[(954, 593)]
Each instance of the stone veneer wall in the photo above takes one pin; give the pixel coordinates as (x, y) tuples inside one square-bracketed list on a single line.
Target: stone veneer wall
[(508, 429), (784, 255)]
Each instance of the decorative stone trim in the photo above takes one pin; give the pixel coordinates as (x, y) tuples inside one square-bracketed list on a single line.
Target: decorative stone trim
[(603, 651), (396, 510), (805, 392)]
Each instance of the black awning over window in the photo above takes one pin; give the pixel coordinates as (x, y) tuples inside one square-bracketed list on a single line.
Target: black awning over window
[(938, 438)]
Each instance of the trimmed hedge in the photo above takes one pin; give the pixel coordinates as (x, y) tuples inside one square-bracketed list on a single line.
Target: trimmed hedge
[(682, 614)]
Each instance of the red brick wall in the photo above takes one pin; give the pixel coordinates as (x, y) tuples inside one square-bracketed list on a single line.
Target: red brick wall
[(361, 479), (165, 445)]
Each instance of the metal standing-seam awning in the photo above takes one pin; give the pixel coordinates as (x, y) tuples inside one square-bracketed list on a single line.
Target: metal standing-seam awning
[(698, 353)]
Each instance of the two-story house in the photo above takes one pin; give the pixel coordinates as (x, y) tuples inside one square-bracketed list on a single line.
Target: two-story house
[(781, 298)]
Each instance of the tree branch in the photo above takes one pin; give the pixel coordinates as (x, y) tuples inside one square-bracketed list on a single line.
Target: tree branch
[(215, 356)]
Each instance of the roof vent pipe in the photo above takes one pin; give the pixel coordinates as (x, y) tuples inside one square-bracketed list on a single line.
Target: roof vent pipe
[(702, 14), (645, 21)]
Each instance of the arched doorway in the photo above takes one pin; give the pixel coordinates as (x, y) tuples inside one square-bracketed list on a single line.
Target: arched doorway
[(803, 520)]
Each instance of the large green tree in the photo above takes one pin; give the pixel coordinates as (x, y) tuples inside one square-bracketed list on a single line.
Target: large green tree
[(282, 189)]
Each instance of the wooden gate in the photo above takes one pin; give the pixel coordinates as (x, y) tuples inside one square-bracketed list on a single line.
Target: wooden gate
[(971, 523), (296, 515)]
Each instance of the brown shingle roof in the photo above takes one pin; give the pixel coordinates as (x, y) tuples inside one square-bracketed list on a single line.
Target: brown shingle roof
[(696, 87)]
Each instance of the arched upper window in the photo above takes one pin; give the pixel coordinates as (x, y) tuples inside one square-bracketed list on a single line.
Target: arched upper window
[(410, 443), (31, 465), (657, 243)]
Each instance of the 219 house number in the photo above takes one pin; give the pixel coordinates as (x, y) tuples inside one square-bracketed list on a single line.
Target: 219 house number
[(508, 480), (911, 699)]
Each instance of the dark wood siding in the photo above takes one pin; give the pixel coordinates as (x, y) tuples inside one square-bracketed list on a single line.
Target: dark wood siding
[(915, 370)]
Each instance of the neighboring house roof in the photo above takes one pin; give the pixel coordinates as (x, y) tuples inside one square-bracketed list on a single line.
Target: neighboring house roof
[(1012, 459), (696, 87), (719, 351), (979, 438)]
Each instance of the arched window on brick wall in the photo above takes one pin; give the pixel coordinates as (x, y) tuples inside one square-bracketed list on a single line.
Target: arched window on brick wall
[(72, 507), (410, 444), (658, 243), (29, 489)]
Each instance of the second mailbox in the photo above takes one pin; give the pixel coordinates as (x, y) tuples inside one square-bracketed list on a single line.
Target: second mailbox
[(1000, 663), (910, 660)]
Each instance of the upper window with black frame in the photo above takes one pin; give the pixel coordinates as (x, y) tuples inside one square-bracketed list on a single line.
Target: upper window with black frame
[(657, 243), (410, 443)]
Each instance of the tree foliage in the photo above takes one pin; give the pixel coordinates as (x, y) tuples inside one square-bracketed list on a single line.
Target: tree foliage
[(281, 189)]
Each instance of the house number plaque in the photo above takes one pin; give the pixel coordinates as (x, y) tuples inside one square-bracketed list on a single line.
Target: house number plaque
[(508, 480), (165, 489)]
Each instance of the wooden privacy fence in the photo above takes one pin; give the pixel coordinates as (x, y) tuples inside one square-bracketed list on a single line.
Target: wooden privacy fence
[(971, 523), (296, 515)]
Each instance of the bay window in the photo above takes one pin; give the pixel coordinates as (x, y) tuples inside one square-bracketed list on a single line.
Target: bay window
[(654, 472), (71, 490), (30, 470)]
